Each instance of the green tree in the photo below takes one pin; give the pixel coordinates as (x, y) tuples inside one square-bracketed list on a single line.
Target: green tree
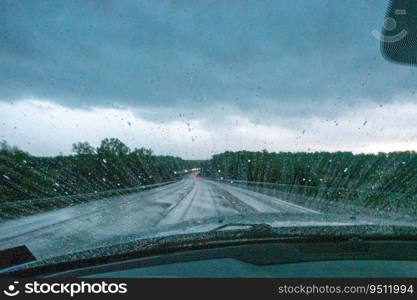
[(82, 148), (112, 146)]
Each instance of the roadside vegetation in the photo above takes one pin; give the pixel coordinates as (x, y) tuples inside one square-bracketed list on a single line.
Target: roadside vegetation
[(385, 181), (112, 165)]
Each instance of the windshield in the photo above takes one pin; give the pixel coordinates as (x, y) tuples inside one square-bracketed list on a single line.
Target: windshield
[(120, 118)]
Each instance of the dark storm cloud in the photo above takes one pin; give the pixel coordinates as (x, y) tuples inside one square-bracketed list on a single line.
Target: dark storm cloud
[(191, 53)]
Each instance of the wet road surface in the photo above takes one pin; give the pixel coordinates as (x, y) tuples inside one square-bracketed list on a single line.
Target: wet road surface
[(78, 227)]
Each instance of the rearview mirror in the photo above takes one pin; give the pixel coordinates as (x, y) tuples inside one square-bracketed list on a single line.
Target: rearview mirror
[(399, 33)]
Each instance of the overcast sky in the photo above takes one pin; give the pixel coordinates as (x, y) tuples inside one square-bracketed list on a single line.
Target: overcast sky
[(193, 78)]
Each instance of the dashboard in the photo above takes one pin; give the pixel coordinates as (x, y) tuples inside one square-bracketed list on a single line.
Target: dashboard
[(223, 268)]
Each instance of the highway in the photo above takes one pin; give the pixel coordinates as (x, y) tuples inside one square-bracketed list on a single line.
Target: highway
[(81, 226)]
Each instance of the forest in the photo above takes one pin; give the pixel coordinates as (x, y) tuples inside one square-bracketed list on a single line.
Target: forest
[(383, 180), (112, 165)]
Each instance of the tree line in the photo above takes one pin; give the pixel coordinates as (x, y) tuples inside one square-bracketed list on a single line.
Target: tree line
[(112, 165), (380, 180)]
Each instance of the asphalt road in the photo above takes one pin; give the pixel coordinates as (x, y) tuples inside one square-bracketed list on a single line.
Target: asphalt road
[(79, 227)]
